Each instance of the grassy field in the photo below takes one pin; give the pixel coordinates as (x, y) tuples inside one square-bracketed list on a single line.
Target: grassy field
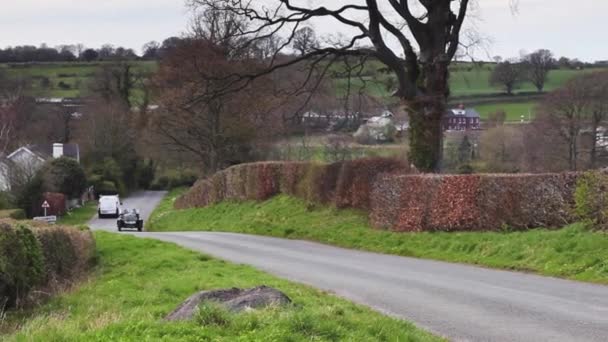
[(572, 252), (464, 81), (79, 216), (75, 77), (514, 110), (139, 281)]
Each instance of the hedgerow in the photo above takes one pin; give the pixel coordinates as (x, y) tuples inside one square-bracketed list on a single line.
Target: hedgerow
[(472, 202), (591, 198), (38, 256), (344, 184), (397, 200)]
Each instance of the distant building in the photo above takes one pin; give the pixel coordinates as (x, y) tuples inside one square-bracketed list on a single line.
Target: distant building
[(29, 159), (462, 119)]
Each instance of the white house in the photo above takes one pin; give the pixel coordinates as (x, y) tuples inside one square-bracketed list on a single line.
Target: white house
[(27, 160)]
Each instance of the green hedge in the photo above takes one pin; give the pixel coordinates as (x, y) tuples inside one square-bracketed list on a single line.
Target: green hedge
[(39, 256), (592, 198), (15, 214)]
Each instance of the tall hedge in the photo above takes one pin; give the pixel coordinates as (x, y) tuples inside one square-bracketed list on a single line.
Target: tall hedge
[(343, 184), (592, 198), (473, 202), (39, 256), (397, 200)]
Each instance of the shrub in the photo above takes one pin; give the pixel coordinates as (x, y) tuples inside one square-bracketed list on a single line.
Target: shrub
[(146, 175), (36, 255), (174, 179), (21, 263), (64, 175), (67, 252), (6, 201), (591, 198), (30, 197), (15, 214)]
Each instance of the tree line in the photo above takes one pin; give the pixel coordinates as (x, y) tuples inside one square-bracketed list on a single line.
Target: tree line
[(80, 53)]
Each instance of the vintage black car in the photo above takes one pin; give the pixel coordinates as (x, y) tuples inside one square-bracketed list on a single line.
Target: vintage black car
[(130, 219)]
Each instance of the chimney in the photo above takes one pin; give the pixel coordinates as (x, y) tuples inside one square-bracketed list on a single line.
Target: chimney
[(57, 151)]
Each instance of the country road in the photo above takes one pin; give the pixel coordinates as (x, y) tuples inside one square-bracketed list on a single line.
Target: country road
[(462, 303)]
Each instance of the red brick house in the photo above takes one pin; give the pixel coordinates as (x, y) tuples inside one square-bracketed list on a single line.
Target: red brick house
[(461, 119)]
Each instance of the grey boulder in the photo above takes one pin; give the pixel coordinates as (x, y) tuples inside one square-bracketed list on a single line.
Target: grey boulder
[(232, 299)]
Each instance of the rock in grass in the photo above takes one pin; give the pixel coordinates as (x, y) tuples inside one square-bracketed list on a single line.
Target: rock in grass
[(232, 299)]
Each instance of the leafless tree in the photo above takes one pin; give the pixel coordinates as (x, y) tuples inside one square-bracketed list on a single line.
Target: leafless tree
[(508, 75), (565, 112), (538, 65), (428, 34), (305, 40), (216, 131), (596, 86), (14, 112)]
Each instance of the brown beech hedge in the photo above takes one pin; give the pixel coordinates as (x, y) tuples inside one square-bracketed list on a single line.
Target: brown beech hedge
[(344, 184), (397, 199), (472, 202)]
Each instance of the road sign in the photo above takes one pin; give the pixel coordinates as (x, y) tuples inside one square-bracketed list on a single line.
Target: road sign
[(45, 206)]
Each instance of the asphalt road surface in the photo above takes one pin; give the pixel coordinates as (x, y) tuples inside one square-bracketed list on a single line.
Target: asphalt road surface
[(460, 302)]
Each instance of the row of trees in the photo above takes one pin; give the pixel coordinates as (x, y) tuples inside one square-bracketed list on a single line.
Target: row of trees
[(534, 68), (64, 53)]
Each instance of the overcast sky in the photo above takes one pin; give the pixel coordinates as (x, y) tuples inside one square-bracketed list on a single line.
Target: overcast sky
[(576, 31)]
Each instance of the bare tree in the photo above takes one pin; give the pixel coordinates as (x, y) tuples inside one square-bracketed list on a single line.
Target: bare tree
[(596, 86), (538, 65), (216, 131), (508, 75), (14, 112), (565, 111), (422, 73), (502, 148), (305, 40)]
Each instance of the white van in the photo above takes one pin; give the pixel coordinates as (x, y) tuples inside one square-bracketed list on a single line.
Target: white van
[(109, 206)]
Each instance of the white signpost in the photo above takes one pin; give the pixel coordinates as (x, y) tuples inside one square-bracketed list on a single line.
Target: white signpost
[(45, 206)]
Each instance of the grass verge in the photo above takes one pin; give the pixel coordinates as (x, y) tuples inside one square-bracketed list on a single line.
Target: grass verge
[(80, 215), (140, 281), (573, 252)]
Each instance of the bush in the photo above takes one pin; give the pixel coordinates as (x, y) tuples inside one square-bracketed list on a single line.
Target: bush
[(35, 256), (6, 201), (64, 175), (15, 214), (591, 198), (21, 263), (175, 179), (67, 252), (108, 178), (30, 197), (147, 175)]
